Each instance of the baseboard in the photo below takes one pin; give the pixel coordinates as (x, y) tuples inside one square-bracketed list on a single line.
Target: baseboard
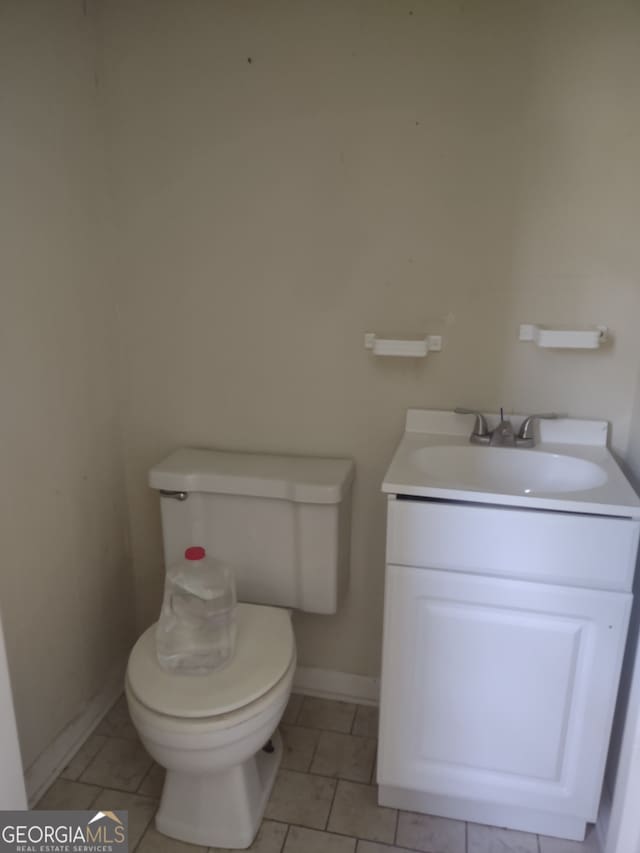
[(604, 817), (330, 684), (57, 755)]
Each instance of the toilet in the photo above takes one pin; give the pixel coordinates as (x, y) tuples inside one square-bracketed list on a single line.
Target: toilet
[(283, 523)]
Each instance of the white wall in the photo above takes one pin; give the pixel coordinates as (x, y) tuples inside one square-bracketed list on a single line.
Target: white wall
[(443, 167), (12, 787), (65, 589)]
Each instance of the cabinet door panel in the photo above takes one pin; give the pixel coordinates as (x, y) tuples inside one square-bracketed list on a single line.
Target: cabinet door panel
[(498, 690), (503, 675)]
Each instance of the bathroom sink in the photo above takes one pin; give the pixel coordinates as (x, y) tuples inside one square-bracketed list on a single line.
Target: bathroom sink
[(500, 469), (570, 468)]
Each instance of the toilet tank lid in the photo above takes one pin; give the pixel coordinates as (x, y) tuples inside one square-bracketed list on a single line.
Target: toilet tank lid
[(303, 479)]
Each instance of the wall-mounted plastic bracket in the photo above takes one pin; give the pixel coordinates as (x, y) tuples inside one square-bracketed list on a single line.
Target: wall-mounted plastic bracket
[(547, 337), (408, 348)]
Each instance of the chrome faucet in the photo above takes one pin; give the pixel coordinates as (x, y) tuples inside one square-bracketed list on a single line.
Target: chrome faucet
[(480, 434), (503, 434), (526, 437)]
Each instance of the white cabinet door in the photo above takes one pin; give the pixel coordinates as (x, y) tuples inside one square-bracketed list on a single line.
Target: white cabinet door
[(499, 690)]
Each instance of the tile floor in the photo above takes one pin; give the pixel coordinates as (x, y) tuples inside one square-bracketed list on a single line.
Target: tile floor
[(324, 799)]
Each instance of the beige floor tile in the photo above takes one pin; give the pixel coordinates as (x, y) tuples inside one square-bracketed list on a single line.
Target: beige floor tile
[(120, 764), (66, 794), (299, 747), (141, 810), (326, 714), (356, 812), (83, 757), (366, 721), (301, 798), (290, 716), (491, 839), (345, 756), (152, 783), (154, 842), (558, 845), (269, 839), (311, 841), (431, 834), (374, 847), (118, 723)]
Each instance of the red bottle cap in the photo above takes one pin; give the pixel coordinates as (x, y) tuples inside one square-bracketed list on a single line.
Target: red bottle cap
[(195, 553)]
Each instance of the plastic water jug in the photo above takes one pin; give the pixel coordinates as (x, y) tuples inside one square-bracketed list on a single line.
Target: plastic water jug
[(196, 630)]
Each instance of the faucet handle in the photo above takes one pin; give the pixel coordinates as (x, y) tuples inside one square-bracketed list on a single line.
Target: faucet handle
[(480, 427), (526, 429)]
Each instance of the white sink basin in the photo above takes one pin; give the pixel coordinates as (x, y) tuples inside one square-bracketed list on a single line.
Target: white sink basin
[(501, 469), (569, 470)]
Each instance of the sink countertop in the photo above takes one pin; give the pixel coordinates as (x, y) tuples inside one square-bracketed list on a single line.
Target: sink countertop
[(565, 437)]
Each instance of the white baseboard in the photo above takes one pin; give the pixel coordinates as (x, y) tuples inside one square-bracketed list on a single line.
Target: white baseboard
[(329, 684), (604, 816), (57, 755)]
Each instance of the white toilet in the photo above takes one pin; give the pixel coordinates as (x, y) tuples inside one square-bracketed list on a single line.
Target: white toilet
[(283, 522)]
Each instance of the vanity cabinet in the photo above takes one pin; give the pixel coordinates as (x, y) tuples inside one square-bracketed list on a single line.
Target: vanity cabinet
[(504, 631)]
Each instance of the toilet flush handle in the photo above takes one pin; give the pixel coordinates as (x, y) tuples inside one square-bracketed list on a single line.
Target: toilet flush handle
[(177, 496)]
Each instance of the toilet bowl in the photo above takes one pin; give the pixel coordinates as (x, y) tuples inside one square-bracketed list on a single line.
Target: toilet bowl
[(209, 732), (283, 524)]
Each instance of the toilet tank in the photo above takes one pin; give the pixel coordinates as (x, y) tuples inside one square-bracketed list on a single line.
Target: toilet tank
[(282, 522)]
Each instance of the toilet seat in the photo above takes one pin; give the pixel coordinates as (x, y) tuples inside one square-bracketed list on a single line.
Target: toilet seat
[(264, 650)]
